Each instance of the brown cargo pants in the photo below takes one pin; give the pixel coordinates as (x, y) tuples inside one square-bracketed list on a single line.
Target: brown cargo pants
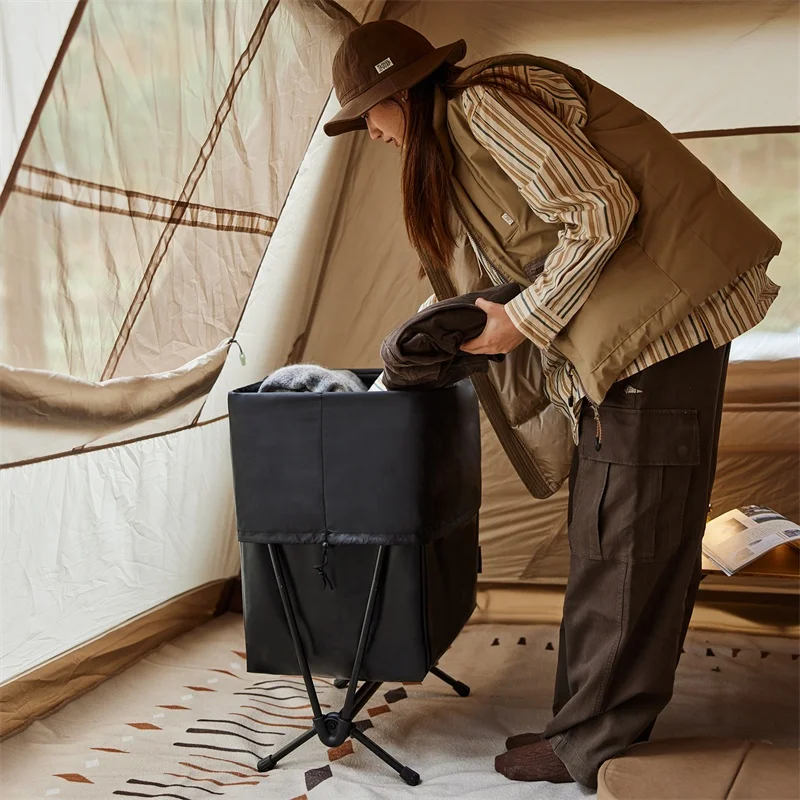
[(637, 511)]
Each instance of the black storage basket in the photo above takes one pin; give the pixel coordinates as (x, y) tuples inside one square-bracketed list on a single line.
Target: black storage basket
[(343, 473)]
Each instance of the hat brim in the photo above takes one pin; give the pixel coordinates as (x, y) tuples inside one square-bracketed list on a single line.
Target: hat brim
[(349, 118)]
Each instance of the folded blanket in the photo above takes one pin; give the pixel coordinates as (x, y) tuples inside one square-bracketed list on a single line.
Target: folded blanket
[(425, 351), (311, 378)]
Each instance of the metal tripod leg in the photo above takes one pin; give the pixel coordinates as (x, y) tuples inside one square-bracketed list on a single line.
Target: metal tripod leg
[(461, 688), (347, 708), (268, 762), (288, 608), (334, 728), (362, 697), (406, 773)]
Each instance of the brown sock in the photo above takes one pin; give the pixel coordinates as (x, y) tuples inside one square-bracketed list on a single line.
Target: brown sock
[(533, 762), (521, 739)]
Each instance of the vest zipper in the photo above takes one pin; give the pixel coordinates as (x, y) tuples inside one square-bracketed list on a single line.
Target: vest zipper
[(474, 239), (598, 436)]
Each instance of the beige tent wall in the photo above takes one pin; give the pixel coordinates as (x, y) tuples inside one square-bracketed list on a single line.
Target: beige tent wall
[(92, 540), (695, 66), (759, 453), (295, 268)]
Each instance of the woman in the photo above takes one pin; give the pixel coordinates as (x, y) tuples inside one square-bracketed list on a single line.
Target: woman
[(639, 267)]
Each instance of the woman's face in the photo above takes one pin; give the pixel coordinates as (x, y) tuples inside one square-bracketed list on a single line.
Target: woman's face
[(387, 121)]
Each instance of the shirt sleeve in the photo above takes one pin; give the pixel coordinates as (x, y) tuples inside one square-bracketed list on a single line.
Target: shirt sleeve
[(540, 145), (429, 302)]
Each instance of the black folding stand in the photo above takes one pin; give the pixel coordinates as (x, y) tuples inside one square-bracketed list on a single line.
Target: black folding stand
[(336, 727)]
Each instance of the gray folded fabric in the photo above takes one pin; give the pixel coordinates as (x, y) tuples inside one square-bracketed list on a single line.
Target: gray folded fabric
[(311, 378), (425, 351)]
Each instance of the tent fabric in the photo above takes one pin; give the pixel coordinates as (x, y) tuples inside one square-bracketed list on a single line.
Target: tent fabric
[(93, 539), (172, 188), (114, 496), (679, 61), (718, 608)]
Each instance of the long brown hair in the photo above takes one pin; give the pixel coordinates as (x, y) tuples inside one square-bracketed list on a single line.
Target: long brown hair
[(425, 180)]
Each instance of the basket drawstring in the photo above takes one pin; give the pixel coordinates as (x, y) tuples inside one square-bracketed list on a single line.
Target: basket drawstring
[(320, 568)]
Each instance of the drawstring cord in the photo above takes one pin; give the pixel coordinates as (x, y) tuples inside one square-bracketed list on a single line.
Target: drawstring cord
[(320, 568), (242, 359), (571, 398)]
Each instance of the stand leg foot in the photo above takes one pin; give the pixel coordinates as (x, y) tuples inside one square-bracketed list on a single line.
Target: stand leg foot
[(268, 762), (461, 688), (265, 764), (406, 773), (410, 777)]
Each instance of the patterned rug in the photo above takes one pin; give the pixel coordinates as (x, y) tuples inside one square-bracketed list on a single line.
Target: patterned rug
[(188, 722)]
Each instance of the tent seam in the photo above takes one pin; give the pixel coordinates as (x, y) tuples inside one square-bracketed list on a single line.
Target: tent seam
[(80, 450), (106, 209), (723, 132), (131, 193)]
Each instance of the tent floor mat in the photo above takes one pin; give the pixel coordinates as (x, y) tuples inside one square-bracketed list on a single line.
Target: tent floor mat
[(189, 721)]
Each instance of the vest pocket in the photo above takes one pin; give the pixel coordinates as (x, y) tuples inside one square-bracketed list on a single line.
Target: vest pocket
[(630, 495)]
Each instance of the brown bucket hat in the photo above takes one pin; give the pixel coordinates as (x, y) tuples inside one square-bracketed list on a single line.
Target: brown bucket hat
[(375, 61)]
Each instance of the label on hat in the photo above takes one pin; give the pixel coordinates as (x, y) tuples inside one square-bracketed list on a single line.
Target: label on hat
[(384, 65)]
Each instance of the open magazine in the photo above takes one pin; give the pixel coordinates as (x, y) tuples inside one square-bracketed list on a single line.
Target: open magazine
[(738, 537)]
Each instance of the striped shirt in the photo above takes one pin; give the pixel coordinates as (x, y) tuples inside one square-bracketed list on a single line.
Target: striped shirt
[(542, 148)]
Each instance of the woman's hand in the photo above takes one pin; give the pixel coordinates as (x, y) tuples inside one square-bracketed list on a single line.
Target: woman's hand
[(500, 334)]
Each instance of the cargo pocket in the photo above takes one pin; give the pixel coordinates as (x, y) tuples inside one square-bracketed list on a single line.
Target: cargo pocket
[(630, 495)]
